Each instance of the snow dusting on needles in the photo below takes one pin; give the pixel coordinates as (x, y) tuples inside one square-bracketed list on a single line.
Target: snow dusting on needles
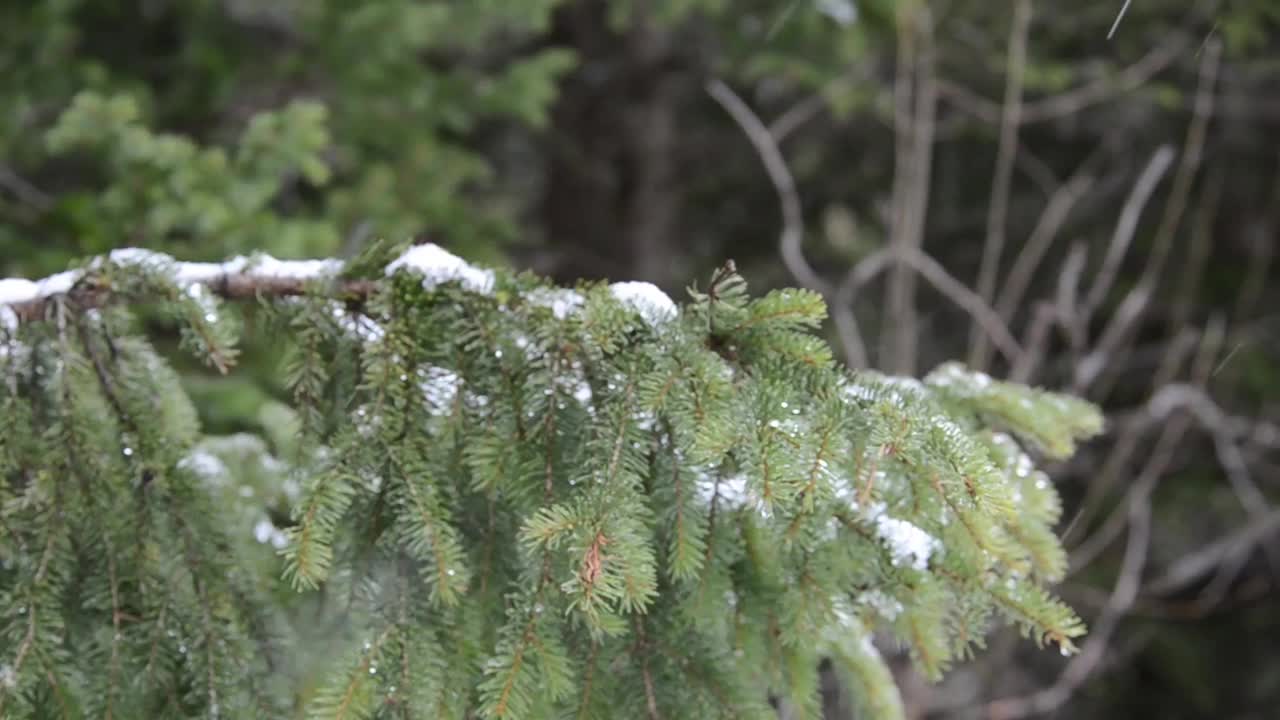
[(908, 544), (438, 266), (645, 298), (562, 302), (439, 388)]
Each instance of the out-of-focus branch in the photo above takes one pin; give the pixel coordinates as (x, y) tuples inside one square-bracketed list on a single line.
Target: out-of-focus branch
[(808, 108), (1028, 261), (1127, 225), (1190, 568), (1198, 253), (1129, 581), (1137, 300), (916, 261), (1001, 184), (1077, 99), (915, 110), (1118, 459), (790, 244), (1035, 342), (1214, 421), (22, 189)]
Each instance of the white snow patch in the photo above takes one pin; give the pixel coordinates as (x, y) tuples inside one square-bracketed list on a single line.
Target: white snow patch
[(907, 543), (844, 12), (8, 319), (1023, 466), (265, 266), (204, 272), (731, 490), (355, 325), (438, 266), (17, 290), (646, 299), (205, 464), (582, 392), (266, 532), (139, 256), (563, 303), (439, 387), (885, 605), (909, 383), (57, 284)]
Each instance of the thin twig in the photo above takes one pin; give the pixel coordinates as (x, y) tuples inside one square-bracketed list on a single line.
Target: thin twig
[(1122, 450), (916, 95), (808, 108), (1137, 300), (1210, 343), (1077, 99), (1190, 568), (1051, 221), (1129, 581), (1123, 9), (1127, 225), (24, 190), (918, 262), (1035, 342), (1198, 254), (791, 241), (1001, 185), (1214, 421)]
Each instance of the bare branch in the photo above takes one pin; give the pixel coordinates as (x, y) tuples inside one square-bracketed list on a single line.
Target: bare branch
[(1077, 99), (792, 238), (1155, 170), (1037, 245), (23, 189), (1190, 568), (1215, 422), (1192, 153), (1200, 242), (1001, 185), (1129, 581), (1121, 452), (808, 108), (1137, 300), (915, 101), (1035, 342), (1065, 299), (916, 261)]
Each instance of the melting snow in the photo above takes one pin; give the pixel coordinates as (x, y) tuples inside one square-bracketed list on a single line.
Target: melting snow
[(265, 532), (646, 299), (886, 606), (907, 543), (265, 266), (562, 302), (17, 290), (205, 464), (438, 266), (439, 387), (732, 490)]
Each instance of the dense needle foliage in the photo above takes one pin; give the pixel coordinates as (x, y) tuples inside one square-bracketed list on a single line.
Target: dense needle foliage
[(508, 499)]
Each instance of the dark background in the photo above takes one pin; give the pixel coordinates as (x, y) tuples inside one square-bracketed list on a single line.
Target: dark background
[(940, 170)]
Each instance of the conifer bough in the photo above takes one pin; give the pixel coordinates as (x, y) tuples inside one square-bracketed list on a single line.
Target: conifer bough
[(506, 500)]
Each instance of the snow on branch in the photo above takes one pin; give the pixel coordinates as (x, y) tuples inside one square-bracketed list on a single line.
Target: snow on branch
[(263, 275)]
